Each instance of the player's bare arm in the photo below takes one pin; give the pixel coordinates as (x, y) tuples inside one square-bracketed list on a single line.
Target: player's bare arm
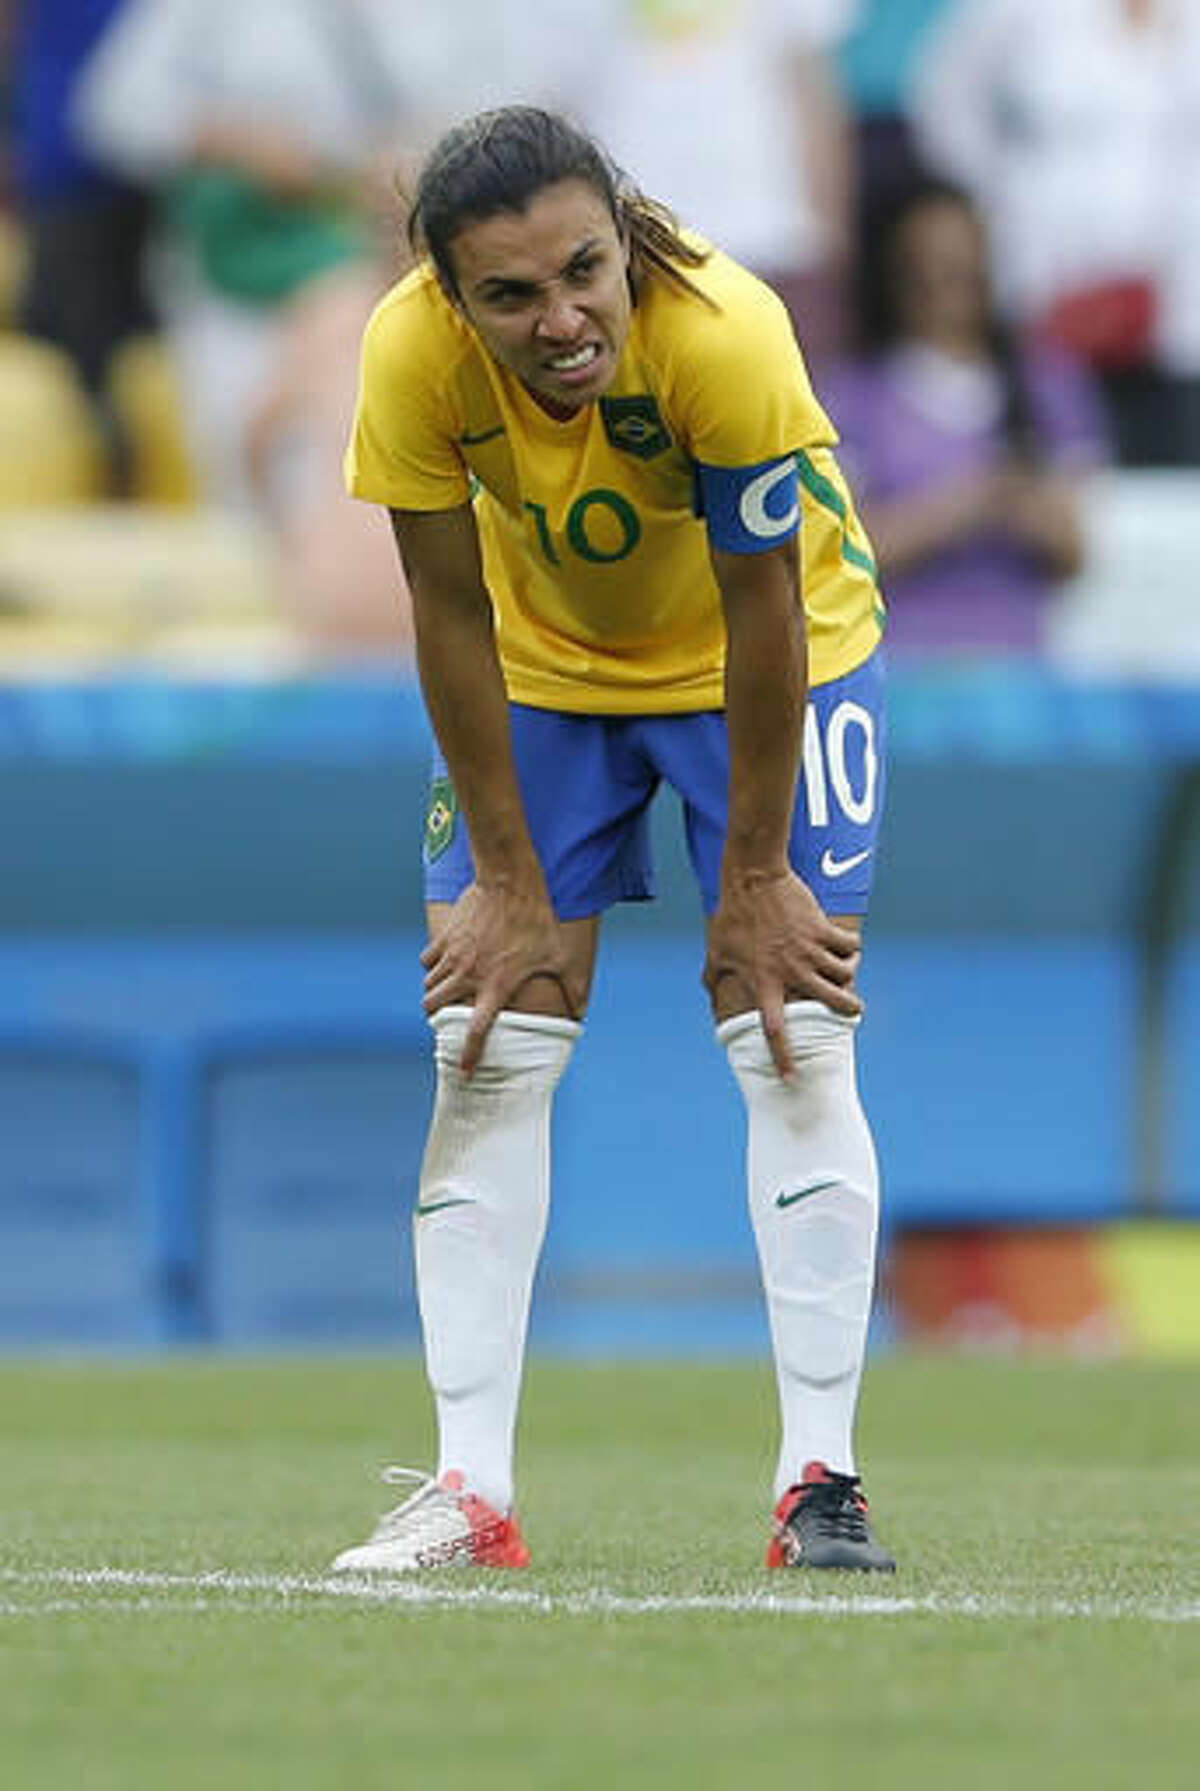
[(769, 941), (501, 934)]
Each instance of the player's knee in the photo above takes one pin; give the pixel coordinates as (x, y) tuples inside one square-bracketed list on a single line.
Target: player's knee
[(819, 1039), (525, 1049), (488, 1140)]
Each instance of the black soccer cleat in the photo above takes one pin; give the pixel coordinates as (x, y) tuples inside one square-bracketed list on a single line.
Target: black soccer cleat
[(822, 1522)]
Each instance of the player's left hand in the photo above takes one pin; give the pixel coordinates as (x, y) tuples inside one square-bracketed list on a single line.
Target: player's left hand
[(771, 934)]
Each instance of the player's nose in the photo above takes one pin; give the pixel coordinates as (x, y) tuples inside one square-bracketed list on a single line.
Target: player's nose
[(559, 319)]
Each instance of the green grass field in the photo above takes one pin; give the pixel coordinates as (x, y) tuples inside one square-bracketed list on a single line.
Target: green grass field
[(1044, 1628)]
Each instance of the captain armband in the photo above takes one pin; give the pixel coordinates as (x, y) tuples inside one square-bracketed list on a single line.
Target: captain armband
[(748, 509)]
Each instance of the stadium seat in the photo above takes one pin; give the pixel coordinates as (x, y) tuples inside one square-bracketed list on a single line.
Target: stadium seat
[(96, 583), (50, 449), (146, 399), (13, 262)]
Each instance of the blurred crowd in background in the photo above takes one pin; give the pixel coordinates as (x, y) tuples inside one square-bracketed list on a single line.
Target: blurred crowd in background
[(983, 214)]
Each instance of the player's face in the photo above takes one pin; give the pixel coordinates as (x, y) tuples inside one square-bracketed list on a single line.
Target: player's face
[(547, 289), (940, 273)]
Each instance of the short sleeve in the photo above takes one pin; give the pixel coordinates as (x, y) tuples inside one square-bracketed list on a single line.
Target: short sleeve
[(403, 451), (742, 395)]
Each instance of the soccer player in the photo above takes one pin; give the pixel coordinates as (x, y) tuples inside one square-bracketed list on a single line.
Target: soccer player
[(633, 559)]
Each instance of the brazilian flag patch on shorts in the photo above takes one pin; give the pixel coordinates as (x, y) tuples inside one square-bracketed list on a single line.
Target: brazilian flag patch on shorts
[(441, 818)]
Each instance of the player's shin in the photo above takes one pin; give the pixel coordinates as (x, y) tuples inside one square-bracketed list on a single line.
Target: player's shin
[(479, 1223), (814, 1202)]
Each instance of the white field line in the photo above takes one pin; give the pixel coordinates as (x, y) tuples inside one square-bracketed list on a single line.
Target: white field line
[(114, 1588)]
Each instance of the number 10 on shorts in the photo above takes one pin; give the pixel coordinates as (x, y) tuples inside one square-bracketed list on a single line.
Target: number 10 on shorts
[(841, 763)]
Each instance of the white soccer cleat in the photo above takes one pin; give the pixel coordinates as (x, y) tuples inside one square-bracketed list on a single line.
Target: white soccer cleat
[(437, 1525)]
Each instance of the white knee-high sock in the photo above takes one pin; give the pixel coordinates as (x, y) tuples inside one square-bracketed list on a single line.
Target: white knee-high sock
[(478, 1228), (814, 1203)]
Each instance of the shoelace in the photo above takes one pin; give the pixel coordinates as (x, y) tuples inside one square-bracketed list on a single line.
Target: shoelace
[(837, 1509), (429, 1514)]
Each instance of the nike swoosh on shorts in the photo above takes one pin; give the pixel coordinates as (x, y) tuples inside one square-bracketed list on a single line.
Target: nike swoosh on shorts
[(837, 867)]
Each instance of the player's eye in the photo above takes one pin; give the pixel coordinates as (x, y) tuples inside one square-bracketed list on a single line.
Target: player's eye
[(507, 298), (581, 271)]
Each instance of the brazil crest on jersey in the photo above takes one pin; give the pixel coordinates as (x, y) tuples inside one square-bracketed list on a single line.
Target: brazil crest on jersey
[(595, 531)]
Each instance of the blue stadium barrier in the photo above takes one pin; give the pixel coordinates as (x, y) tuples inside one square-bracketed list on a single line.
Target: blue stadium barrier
[(77, 1209), (311, 1141), (276, 1148), (214, 1074), (998, 1074)]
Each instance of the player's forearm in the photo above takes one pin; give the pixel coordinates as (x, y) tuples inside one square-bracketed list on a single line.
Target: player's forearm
[(765, 688), (465, 696)]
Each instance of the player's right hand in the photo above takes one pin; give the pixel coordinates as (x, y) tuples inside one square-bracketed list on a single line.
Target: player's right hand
[(496, 939)]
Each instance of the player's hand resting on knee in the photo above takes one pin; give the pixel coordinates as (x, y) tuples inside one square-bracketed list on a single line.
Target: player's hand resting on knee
[(497, 939), (771, 935)]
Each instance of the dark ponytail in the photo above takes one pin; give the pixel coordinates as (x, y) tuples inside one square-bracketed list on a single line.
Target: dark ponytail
[(499, 161)]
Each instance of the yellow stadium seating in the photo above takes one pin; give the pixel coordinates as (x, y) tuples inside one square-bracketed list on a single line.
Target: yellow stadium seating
[(94, 585), (13, 262), (145, 397), (50, 448)]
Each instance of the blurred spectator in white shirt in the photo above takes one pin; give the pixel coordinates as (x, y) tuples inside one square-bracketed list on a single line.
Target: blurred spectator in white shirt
[(730, 112), (1077, 126), (271, 130)]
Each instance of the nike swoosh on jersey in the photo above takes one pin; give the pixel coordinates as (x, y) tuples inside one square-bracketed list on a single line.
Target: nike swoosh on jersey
[(837, 867), (439, 1206), (483, 435), (797, 1194)]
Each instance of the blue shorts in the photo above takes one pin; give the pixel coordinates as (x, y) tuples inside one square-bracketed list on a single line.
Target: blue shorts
[(588, 780)]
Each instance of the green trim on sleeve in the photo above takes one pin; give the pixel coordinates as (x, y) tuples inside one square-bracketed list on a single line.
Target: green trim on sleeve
[(831, 499)]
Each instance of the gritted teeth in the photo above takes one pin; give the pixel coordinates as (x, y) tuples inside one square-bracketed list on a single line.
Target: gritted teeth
[(578, 357)]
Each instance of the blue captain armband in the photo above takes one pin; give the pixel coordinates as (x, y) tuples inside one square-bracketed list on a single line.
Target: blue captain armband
[(749, 508)]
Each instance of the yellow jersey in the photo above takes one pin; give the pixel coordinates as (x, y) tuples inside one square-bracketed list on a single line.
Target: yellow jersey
[(594, 536)]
